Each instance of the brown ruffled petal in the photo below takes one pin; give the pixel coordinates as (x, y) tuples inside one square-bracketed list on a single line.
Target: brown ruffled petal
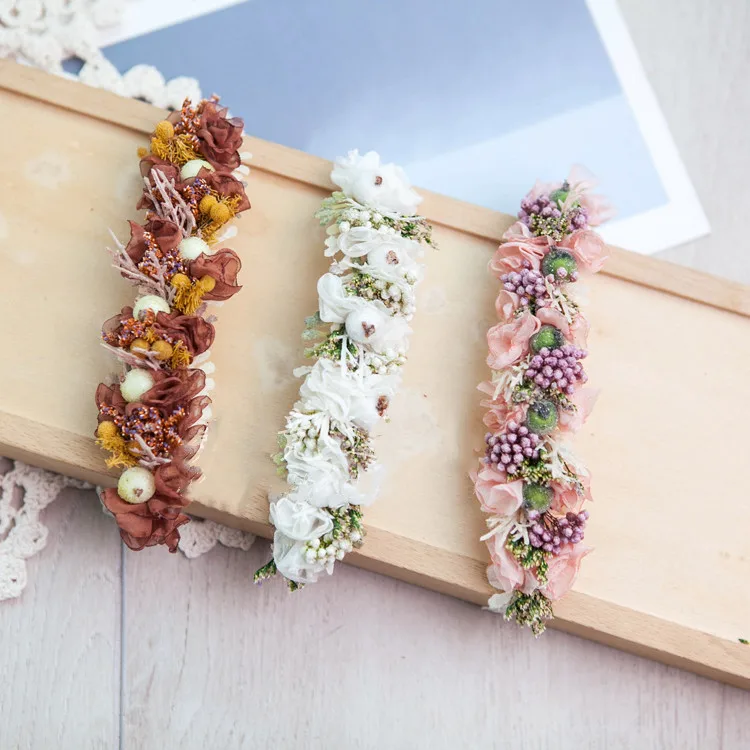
[(195, 333), (166, 234), (223, 266), (172, 480), (226, 186), (220, 138), (112, 324), (107, 395), (136, 246), (175, 388), (146, 524), (188, 430)]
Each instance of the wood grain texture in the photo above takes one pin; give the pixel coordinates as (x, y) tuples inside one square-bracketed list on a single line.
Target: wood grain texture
[(60, 642), (361, 661)]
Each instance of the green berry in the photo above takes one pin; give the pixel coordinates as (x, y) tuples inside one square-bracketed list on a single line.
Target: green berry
[(559, 196), (537, 496), (546, 337), (541, 417), (557, 258)]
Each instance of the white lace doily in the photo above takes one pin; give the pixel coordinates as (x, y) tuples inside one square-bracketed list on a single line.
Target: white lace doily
[(198, 537), (24, 494), (44, 33)]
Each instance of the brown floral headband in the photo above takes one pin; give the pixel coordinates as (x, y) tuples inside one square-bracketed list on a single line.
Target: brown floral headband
[(153, 421)]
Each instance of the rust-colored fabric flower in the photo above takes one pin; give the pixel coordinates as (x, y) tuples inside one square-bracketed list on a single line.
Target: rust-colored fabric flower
[(166, 234), (158, 520), (226, 186), (145, 524), (195, 333), (171, 390), (220, 137), (170, 171), (223, 266)]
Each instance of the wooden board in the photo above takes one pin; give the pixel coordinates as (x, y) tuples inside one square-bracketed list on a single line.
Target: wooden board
[(668, 578)]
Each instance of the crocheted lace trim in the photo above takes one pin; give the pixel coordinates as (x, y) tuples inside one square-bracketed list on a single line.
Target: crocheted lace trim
[(44, 33), (24, 493)]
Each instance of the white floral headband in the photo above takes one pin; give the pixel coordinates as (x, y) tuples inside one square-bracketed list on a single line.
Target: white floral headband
[(366, 301)]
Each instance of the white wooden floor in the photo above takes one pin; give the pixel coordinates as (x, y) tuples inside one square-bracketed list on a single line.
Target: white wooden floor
[(108, 649)]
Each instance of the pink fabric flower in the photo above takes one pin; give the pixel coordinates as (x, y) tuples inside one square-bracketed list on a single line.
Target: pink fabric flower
[(499, 412), (505, 304), (497, 496), (563, 569), (518, 238), (542, 188), (583, 399), (509, 342), (509, 258), (567, 498), (505, 573), (576, 333), (587, 248), (582, 184)]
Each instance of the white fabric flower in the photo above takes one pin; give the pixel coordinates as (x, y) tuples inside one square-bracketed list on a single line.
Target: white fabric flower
[(334, 304), (384, 187), (394, 253), (344, 395), (359, 241), (293, 515), (336, 496), (289, 556), (498, 603), (325, 466), (373, 327)]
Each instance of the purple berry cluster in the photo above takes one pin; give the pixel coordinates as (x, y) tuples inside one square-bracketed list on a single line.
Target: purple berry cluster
[(558, 369), (544, 209), (562, 275), (549, 533), (528, 285), (508, 450)]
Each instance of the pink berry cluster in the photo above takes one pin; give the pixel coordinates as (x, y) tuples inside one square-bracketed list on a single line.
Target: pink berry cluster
[(549, 533), (508, 450), (558, 369), (528, 284), (544, 212)]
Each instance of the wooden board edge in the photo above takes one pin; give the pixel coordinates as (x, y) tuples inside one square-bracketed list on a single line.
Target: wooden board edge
[(54, 449), (416, 563), (439, 209), (579, 614)]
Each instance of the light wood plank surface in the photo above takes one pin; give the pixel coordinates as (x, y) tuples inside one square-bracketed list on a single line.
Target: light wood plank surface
[(60, 642), (363, 661)]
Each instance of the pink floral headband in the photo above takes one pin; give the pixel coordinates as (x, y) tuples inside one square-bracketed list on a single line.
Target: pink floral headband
[(530, 484)]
